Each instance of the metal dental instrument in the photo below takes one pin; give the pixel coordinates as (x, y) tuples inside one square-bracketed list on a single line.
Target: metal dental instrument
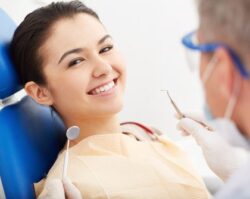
[(72, 133), (181, 115)]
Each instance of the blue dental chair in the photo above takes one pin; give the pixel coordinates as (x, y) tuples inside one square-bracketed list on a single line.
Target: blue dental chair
[(31, 135)]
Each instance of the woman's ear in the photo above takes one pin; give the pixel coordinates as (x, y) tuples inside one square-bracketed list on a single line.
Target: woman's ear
[(39, 93), (225, 73)]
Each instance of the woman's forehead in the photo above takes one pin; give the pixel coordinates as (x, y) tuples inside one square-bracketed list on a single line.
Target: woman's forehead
[(81, 30), (78, 26)]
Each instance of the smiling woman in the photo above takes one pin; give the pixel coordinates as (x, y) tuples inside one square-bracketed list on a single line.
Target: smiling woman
[(66, 59)]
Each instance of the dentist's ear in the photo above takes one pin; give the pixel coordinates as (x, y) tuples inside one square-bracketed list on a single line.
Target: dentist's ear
[(226, 73), (39, 93)]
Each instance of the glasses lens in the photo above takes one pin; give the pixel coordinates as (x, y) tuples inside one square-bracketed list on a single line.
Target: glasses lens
[(193, 56)]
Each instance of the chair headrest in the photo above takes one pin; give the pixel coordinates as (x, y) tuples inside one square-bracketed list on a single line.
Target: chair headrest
[(9, 83)]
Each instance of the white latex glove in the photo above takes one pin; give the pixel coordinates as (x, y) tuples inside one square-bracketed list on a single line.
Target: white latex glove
[(71, 191), (58, 189), (222, 158)]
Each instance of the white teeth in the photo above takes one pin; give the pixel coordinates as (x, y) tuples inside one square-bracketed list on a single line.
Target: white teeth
[(104, 88)]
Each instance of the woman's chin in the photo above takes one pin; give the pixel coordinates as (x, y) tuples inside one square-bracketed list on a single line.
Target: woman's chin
[(110, 109)]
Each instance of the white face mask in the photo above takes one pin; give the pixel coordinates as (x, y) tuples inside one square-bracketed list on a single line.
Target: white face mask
[(225, 125)]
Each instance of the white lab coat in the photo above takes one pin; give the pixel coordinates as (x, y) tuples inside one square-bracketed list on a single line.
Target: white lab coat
[(230, 132), (238, 185)]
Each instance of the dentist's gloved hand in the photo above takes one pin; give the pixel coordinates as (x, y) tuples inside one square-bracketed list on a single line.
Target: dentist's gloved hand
[(222, 158), (60, 189), (71, 191)]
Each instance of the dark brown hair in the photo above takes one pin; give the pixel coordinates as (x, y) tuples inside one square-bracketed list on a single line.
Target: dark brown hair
[(33, 32)]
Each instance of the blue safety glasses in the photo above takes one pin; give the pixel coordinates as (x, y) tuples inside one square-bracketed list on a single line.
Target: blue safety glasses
[(190, 42)]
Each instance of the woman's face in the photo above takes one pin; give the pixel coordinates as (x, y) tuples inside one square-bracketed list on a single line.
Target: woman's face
[(85, 73)]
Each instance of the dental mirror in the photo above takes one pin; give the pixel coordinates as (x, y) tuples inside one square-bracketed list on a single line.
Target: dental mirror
[(72, 133)]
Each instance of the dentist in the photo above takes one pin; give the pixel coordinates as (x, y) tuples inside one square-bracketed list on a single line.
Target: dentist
[(222, 40)]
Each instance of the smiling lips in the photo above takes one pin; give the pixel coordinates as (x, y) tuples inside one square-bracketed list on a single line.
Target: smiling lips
[(103, 88)]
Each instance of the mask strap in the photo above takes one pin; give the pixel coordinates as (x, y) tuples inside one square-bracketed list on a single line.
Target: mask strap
[(233, 99), (208, 71)]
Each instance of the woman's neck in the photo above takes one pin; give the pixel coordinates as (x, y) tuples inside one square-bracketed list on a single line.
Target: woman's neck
[(95, 126)]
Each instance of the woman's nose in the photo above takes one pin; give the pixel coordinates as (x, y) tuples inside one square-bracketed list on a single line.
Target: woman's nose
[(101, 67)]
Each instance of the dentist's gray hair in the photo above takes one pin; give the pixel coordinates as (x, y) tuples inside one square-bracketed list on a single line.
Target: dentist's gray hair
[(226, 21)]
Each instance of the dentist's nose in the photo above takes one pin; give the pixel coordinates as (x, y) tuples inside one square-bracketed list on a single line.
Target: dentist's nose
[(101, 67)]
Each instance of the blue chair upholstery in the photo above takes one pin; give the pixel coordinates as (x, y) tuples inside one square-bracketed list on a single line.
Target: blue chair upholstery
[(31, 135)]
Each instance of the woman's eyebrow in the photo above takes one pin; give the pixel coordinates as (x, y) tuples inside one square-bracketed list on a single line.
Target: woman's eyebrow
[(77, 50), (103, 39)]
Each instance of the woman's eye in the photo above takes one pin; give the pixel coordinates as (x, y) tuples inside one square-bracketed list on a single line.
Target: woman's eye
[(106, 49), (75, 62)]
